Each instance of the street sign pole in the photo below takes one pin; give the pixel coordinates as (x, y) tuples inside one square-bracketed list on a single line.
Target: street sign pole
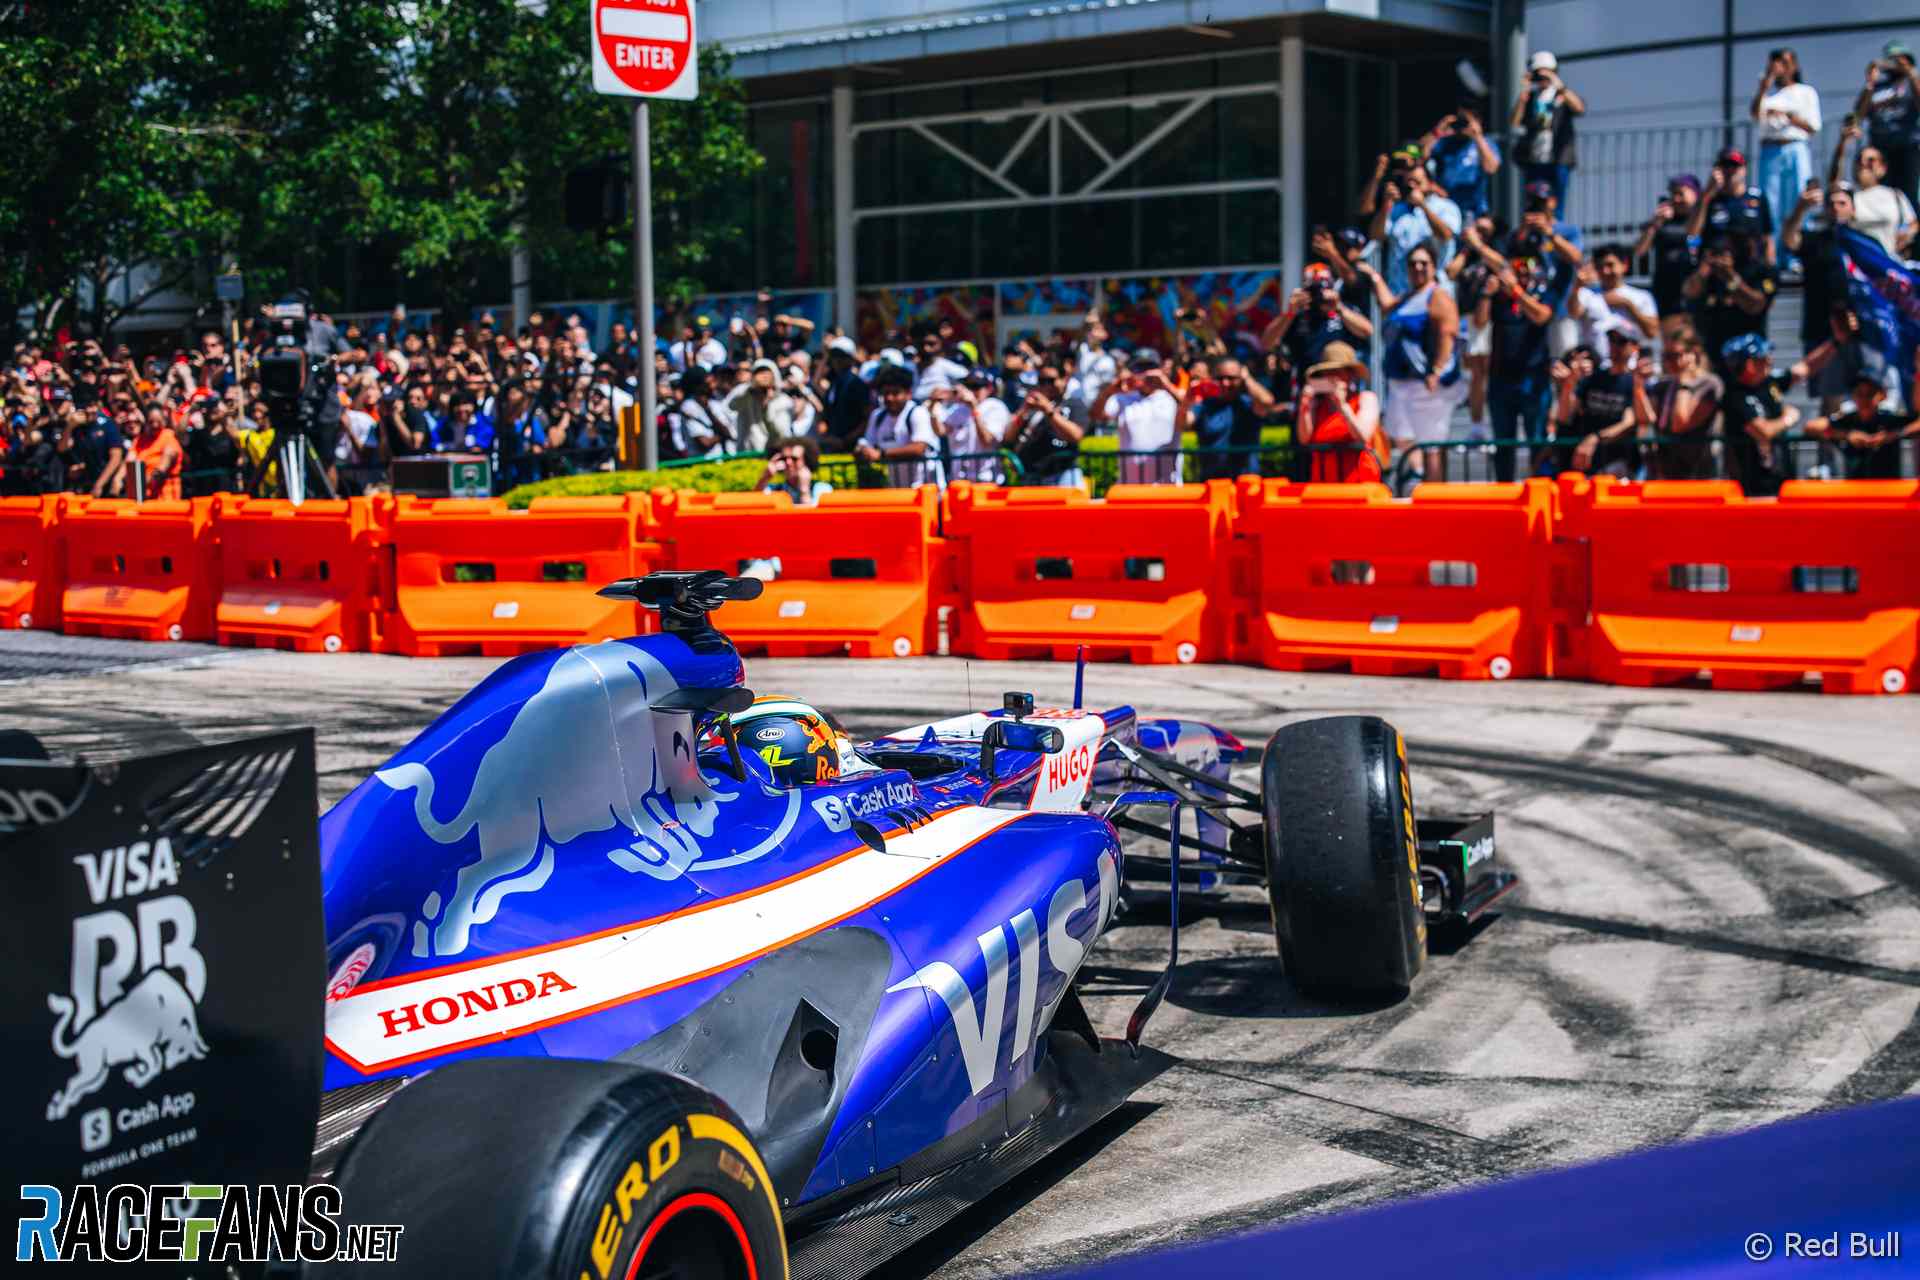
[(643, 282), (644, 49)]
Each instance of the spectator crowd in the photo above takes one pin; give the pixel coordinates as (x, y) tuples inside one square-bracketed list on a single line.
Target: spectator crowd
[(1423, 320)]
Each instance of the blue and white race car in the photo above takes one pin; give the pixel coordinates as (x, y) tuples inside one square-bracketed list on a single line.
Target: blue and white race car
[(678, 980)]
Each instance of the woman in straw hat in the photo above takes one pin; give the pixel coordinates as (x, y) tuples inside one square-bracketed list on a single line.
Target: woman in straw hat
[(1340, 421)]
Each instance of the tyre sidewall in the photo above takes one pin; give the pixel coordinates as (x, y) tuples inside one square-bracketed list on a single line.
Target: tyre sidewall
[(641, 1157), (1343, 856)]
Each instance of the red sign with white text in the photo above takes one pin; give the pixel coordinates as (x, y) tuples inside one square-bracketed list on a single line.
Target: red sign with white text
[(644, 48)]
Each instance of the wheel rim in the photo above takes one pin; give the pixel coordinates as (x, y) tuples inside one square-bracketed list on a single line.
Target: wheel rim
[(697, 1234)]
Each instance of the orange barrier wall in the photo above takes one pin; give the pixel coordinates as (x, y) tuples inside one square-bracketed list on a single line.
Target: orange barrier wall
[(1691, 576), (1453, 582), (30, 564), (472, 577), (1041, 571), (305, 577), (138, 570), (857, 573)]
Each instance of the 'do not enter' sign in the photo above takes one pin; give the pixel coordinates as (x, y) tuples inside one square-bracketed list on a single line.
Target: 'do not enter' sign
[(644, 48)]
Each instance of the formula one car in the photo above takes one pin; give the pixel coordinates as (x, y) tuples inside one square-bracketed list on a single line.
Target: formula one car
[(679, 980)]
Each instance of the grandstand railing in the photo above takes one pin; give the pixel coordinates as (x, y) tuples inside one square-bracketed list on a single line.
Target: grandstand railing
[(1451, 461), (1623, 172)]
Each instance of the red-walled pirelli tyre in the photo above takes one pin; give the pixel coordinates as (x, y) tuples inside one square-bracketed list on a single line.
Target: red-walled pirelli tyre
[(520, 1168), (1343, 872)]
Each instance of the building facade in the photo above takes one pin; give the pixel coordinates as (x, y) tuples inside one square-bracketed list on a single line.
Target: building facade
[(1004, 146)]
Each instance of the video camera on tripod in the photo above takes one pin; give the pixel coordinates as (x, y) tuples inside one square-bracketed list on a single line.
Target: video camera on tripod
[(293, 381)]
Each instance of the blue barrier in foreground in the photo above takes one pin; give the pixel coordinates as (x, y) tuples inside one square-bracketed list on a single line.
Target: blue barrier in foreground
[(1769, 1201)]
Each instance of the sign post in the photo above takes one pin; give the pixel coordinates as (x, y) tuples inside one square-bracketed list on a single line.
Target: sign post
[(644, 49)]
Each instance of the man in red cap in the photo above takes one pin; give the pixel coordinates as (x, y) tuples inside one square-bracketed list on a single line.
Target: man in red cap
[(1736, 210)]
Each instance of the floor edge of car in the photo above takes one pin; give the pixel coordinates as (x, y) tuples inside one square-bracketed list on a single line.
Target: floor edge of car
[(1091, 1086)]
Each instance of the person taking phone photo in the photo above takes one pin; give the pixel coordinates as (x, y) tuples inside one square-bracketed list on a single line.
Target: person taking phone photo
[(1787, 111), (1543, 116)]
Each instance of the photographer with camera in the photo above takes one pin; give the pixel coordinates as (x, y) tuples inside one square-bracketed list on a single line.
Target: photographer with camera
[(1728, 298), (761, 410), (1046, 430), (976, 424), (1339, 421), (1226, 405), (900, 433), (1316, 316), (1413, 212), (1150, 415), (789, 470), (1462, 159), (1732, 209), (1880, 209), (1520, 303), (1667, 238), (1543, 118), (1889, 102)]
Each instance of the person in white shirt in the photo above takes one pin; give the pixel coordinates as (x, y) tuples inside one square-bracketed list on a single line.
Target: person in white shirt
[(938, 371), (698, 346), (900, 434), (1880, 209), (976, 424), (761, 411), (1092, 362), (704, 422), (1603, 295), (1150, 417), (1788, 114)]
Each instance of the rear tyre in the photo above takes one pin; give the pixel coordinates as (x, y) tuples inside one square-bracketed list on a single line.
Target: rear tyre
[(546, 1167), (1342, 858)]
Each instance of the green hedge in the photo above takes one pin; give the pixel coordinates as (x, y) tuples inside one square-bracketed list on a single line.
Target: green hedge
[(740, 475), (731, 475)]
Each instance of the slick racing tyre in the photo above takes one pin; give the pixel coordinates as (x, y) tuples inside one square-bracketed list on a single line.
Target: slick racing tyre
[(1342, 858), (519, 1168)]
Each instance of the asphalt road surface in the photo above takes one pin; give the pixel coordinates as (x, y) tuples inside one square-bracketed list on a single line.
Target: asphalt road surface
[(1718, 925)]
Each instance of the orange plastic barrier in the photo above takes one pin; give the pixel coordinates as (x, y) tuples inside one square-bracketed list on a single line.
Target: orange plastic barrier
[(1686, 577), (857, 573), (1452, 581), (305, 577), (29, 564), (1140, 576), (472, 577), (138, 570)]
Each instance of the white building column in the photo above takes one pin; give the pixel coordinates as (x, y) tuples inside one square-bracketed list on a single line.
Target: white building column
[(843, 263), (1293, 161)]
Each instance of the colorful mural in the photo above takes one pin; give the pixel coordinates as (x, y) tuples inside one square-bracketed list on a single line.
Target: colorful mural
[(881, 312), (1233, 306)]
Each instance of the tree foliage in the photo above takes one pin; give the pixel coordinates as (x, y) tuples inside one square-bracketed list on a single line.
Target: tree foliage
[(292, 136)]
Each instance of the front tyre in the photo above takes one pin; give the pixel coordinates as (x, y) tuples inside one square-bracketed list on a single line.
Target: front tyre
[(1343, 872), (549, 1167)]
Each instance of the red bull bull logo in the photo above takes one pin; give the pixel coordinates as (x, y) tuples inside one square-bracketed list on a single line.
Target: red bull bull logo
[(589, 752)]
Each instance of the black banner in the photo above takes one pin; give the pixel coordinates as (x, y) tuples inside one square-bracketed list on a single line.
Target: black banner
[(162, 941)]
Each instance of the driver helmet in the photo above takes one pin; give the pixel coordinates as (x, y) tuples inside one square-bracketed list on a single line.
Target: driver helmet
[(800, 744)]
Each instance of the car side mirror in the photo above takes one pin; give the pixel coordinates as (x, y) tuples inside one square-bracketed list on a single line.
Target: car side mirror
[(1018, 735)]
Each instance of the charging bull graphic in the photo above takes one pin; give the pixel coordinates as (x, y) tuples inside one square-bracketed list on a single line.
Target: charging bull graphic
[(589, 752), (150, 1029)]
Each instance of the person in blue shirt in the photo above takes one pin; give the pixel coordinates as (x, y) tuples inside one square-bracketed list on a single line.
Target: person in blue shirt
[(1225, 406), (1463, 160)]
